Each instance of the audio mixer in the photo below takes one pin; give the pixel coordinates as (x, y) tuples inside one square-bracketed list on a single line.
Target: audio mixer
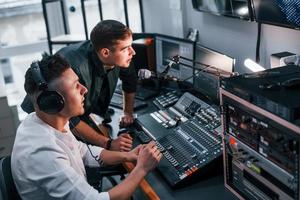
[(188, 135)]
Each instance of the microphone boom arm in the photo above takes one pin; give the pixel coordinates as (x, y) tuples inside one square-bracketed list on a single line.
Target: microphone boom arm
[(207, 68)]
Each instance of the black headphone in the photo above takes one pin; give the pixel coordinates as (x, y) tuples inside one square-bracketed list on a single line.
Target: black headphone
[(50, 102)]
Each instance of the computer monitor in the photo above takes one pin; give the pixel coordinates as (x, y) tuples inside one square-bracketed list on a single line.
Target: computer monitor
[(278, 12), (166, 48), (208, 83), (231, 8)]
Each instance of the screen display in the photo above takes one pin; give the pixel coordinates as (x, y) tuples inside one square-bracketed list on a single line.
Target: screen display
[(206, 81), (168, 47), (232, 8), (278, 12)]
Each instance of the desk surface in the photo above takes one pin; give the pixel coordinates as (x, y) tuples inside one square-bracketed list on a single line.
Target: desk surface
[(211, 187)]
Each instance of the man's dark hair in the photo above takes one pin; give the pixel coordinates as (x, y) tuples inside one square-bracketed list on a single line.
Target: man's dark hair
[(51, 67), (106, 33)]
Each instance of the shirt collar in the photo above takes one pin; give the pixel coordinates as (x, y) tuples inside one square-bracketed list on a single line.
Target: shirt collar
[(100, 70), (107, 68)]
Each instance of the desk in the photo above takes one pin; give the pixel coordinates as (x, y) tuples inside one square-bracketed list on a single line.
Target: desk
[(208, 188)]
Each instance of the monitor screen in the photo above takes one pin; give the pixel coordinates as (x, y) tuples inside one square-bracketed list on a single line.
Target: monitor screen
[(208, 83), (166, 48), (231, 8), (278, 12)]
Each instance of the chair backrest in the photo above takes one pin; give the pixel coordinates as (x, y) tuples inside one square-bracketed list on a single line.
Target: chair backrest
[(7, 185)]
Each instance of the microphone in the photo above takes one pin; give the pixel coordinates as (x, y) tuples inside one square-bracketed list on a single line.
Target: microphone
[(147, 74)]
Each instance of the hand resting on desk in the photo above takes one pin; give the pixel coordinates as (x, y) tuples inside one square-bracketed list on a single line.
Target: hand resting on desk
[(122, 143), (127, 119)]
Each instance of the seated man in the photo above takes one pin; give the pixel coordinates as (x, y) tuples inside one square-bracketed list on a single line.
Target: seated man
[(47, 161)]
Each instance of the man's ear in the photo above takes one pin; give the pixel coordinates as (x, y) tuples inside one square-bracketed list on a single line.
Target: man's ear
[(104, 52)]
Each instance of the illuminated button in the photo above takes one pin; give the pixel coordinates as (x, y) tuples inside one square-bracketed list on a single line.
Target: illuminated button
[(232, 141)]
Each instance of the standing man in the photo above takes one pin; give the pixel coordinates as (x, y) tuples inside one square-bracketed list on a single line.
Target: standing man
[(99, 63), (47, 161)]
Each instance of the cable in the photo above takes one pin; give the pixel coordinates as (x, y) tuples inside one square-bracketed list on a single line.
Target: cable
[(97, 157), (257, 54)]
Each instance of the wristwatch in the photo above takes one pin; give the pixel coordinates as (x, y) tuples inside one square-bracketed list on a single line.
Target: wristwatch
[(108, 144)]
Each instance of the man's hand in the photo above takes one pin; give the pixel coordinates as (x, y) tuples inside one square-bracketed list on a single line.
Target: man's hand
[(148, 157), (126, 120), (122, 143), (133, 154)]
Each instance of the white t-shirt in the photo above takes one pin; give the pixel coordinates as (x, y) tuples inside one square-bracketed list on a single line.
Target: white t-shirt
[(49, 164)]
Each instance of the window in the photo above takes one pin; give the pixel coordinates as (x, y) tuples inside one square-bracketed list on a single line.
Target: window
[(113, 9), (22, 39), (23, 36), (21, 22), (134, 16), (15, 89)]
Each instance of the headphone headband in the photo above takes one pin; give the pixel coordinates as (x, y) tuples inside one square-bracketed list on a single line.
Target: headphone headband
[(37, 76)]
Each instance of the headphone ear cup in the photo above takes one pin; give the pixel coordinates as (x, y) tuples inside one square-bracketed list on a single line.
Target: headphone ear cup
[(50, 102)]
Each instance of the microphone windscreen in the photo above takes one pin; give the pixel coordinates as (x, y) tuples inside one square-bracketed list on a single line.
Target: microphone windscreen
[(144, 74)]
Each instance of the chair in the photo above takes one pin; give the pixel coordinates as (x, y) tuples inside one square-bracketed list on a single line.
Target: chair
[(7, 185), (95, 175)]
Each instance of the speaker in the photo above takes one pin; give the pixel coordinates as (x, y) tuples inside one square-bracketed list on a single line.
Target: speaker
[(283, 59), (290, 60), (48, 101)]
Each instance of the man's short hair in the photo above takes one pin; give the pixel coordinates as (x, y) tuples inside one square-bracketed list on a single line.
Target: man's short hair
[(51, 67), (106, 33)]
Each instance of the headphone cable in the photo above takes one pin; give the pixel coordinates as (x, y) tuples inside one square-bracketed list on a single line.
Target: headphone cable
[(97, 157)]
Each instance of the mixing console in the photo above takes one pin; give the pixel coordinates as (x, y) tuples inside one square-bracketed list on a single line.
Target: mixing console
[(166, 100), (187, 134)]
